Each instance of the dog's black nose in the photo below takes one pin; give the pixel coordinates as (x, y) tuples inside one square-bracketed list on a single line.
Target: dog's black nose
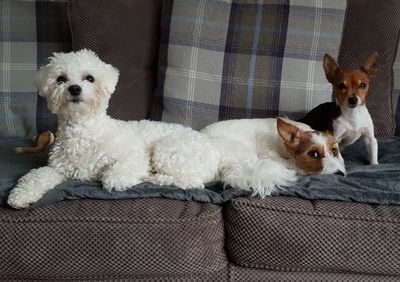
[(75, 90), (353, 100), (339, 172)]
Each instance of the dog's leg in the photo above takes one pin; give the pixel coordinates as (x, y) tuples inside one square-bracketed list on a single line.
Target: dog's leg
[(372, 148), (125, 174), (32, 186)]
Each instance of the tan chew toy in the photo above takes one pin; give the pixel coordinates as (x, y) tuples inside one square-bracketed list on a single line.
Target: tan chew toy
[(42, 141)]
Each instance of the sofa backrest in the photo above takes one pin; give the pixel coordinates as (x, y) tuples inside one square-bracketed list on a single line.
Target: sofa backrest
[(30, 31), (268, 61), (251, 59)]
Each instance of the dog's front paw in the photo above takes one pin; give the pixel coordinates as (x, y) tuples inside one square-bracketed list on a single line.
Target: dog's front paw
[(374, 162), (119, 182), (20, 200)]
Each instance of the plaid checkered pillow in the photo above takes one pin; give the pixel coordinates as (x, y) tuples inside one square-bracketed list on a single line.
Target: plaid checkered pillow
[(30, 31), (244, 59)]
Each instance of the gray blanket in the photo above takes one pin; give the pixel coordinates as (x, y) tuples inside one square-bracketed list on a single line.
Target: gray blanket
[(364, 183)]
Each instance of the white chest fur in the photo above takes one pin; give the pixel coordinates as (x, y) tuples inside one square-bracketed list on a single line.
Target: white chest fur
[(352, 124)]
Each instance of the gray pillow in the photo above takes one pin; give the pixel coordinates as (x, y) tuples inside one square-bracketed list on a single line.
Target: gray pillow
[(374, 26), (124, 33)]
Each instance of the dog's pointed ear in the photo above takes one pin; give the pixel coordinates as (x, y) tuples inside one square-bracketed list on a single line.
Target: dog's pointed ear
[(290, 134), (41, 81), (331, 67), (371, 67), (112, 75)]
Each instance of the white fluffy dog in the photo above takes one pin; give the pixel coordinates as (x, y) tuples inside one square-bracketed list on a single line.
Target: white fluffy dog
[(92, 146)]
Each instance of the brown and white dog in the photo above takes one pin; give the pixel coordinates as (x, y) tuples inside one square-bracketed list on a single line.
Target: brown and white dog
[(253, 154), (347, 118)]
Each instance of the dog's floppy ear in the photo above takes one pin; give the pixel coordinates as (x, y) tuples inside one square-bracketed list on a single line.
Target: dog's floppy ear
[(111, 78), (370, 66), (41, 81), (331, 67), (290, 134)]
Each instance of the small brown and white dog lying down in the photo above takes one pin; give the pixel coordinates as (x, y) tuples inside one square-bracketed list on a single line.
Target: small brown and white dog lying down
[(347, 118), (256, 154)]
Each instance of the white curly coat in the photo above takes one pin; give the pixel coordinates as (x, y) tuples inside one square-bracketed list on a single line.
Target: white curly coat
[(90, 145)]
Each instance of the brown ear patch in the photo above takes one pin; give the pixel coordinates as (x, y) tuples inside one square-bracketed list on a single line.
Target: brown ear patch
[(290, 134), (370, 66), (331, 68)]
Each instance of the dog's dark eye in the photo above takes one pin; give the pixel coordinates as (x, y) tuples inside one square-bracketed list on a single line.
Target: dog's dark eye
[(61, 79), (335, 152), (314, 154), (342, 86), (89, 78), (362, 85)]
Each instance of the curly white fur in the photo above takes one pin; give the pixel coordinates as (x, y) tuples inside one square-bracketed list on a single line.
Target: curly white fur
[(92, 146)]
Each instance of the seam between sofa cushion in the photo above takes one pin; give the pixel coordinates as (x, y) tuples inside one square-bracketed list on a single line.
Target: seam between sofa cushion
[(320, 214), (210, 217), (122, 277), (303, 269)]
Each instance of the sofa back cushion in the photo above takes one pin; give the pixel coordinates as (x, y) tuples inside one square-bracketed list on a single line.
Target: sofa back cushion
[(125, 34), (363, 35), (244, 59), (30, 32)]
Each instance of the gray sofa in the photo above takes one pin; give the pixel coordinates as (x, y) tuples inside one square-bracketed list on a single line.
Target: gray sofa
[(157, 239)]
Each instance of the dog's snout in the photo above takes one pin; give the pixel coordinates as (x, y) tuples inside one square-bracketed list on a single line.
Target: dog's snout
[(75, 90), (339, 172), (353, 100)]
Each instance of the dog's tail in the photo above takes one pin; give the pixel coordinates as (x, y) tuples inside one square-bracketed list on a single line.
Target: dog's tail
[(261, 176)]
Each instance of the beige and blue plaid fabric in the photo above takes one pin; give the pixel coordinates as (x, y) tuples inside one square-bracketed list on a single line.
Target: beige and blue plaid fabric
[(30, 31), (222, 59)]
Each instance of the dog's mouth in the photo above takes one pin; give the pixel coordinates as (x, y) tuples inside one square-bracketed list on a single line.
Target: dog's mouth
[(75, 100), (352, 106)]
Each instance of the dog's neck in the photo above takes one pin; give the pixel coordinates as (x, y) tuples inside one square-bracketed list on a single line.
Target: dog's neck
[(89, 121), (353, 113)]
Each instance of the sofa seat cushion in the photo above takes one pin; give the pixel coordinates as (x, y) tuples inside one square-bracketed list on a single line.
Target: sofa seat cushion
[(292, 234), (92, 239), (247, 274)]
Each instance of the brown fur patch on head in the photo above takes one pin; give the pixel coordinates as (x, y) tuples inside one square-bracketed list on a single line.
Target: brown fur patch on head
[(314, 147), (307, 148), (350, 82), (309, 155), (299, 145)]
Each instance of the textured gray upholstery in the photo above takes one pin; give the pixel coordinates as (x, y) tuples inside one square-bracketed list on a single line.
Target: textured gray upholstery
[(291, 234), (246, 274), (150, 238)]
